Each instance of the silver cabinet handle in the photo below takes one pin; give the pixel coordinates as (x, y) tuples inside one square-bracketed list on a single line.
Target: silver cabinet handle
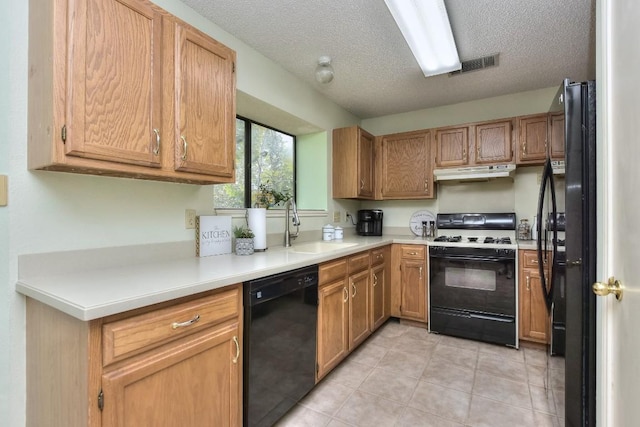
[(353, 295), (235, 341), (421, 272), (184, 148), (375, 280), (528, 283), (362, 184), (346, 294), (156, 149), (413, 253), (176, 325)]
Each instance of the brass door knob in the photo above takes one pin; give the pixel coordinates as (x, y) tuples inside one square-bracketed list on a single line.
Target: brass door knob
[(612, 286)]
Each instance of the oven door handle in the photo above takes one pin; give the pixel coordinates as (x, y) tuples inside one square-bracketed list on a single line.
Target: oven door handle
[(493, 318), (469, 258)]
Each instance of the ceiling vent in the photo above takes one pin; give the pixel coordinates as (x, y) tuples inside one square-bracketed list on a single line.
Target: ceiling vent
[(477, 64)]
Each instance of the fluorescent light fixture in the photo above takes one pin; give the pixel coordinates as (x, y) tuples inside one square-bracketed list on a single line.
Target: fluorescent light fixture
[(425, 26)]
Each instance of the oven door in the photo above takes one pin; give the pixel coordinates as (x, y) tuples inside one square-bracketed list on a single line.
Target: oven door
[(472, 293)]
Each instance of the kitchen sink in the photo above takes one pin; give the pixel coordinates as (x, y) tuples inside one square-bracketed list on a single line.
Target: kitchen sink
[(320, 247)]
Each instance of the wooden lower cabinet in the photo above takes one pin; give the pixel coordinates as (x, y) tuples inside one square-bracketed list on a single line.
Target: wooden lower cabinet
[(333, 324), (534, 318), (359, 328), (353, 300), (409, 278), (151, 367), (380, 287)]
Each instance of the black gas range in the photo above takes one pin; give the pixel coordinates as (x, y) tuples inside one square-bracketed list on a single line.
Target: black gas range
[(472, 271)]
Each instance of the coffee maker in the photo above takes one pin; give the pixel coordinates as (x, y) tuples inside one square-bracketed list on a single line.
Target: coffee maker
[(369, 222)]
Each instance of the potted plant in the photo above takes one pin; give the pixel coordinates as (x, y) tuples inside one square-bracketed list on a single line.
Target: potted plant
[(267, 196), (244, 240)]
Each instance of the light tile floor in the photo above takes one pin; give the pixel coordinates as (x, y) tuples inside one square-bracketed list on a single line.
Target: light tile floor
[(404, 376)]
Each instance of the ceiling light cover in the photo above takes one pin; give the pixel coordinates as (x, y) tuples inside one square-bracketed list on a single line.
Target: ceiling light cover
[(324, 70), (426, 28)]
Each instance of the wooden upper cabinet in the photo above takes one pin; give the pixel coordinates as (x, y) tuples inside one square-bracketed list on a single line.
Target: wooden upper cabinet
[(494, 142), (406, 166), (115, 85), (532, 139), (452, 146), (556, 135), (366, 162), (353, 163), (205, 104), (114, 90)]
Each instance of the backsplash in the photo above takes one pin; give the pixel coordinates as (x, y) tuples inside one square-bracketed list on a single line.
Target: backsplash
[(484, 196), (519, 195)]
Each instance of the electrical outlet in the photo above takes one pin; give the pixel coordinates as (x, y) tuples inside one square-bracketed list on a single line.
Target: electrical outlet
[(189, 218), (336, 216)]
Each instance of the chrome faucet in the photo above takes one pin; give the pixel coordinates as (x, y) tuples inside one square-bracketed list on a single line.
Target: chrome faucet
[(290, 204)]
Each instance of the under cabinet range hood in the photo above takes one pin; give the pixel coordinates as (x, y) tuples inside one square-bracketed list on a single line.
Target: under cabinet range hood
[(475, 173)]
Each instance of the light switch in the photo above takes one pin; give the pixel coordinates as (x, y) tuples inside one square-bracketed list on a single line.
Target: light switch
[(3, 190)]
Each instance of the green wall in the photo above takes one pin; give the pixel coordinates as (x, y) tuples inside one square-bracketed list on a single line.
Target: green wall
[(312, 170)]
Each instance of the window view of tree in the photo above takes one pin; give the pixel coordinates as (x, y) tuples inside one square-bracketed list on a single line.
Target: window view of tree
[(271, 164)]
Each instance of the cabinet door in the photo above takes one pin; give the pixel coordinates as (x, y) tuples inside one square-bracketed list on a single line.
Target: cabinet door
[(114, 81), (378, 296), (358, 308), (556, 135), (534, 320), (204, 103), (366, 144), (407, 169), (195, 382), (493, 143), (452, 147), (532, 139), (333, 324), (413, 297)]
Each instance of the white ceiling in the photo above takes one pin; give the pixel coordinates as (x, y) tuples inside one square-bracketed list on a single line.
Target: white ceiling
[(540, 42)]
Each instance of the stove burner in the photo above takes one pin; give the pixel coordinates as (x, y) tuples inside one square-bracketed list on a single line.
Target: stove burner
[(486, 240), (448, 239)]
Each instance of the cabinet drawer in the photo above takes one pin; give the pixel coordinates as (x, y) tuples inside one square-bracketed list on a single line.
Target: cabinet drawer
[(377, 256), (332, 271), (358, 262), (413, 252), (530, 259), (135, 334)]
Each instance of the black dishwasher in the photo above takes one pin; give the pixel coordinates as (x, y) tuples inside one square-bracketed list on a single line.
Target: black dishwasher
[(280, 321)]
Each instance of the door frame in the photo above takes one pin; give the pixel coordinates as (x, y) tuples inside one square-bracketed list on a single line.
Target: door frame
[(603, 183)]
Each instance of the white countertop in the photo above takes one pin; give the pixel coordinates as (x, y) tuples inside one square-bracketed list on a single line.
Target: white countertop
[(95, 283), (527, 245)]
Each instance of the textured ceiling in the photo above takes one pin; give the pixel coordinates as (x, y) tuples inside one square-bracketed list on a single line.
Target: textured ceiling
[(540, 42)]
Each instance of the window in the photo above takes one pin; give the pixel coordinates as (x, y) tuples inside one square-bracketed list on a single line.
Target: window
[(263, 156)]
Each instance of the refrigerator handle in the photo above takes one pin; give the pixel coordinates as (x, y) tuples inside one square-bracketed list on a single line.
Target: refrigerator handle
[(547, 178)]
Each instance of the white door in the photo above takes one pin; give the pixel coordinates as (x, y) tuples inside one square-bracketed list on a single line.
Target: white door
[(619, 208)]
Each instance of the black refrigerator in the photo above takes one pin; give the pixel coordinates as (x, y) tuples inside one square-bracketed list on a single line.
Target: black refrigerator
[(568, 293)]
